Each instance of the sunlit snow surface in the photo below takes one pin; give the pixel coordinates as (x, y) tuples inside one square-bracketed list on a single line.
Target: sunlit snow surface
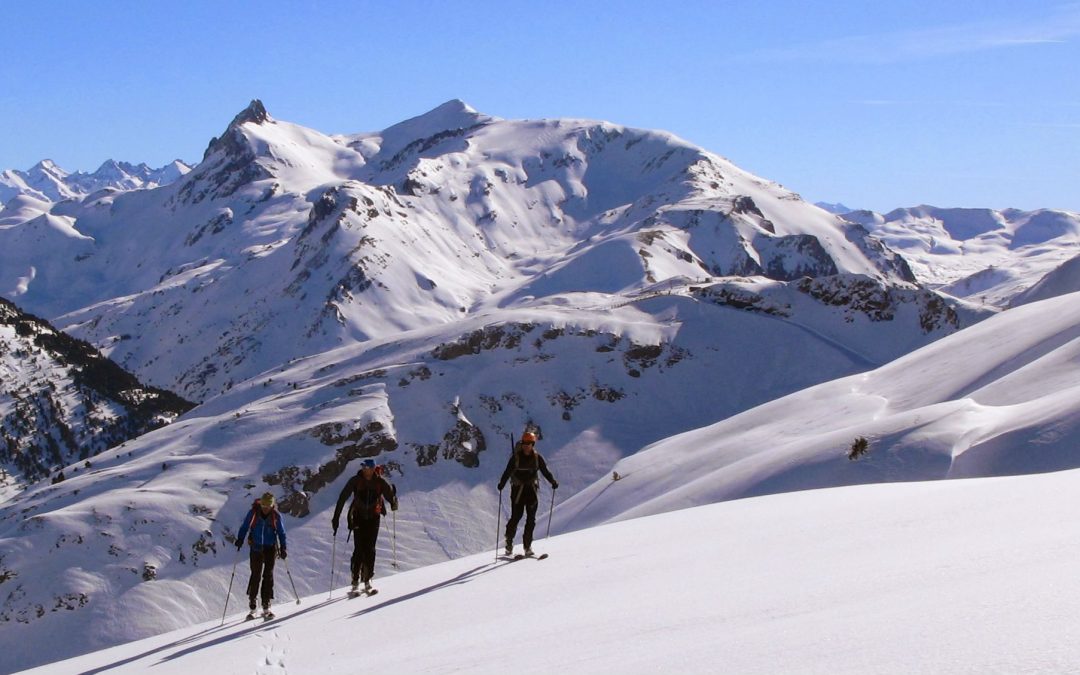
[(945, 577)]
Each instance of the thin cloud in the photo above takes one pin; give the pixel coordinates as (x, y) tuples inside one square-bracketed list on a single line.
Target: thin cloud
[(937, 103), (1053, 125), (1059, 27)]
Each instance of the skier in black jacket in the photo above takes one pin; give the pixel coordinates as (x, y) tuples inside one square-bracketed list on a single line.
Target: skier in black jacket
[(368, 491), (522, 471)]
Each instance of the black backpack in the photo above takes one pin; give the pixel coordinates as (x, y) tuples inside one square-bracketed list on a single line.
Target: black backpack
[(363, 507)]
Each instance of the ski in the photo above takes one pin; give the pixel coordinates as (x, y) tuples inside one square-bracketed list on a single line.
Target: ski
[(522, 556)]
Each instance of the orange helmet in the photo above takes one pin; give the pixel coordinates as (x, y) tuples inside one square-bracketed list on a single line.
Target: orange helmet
[(528, 437)]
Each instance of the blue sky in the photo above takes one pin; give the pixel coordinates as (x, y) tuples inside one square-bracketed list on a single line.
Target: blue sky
[(951, 103)]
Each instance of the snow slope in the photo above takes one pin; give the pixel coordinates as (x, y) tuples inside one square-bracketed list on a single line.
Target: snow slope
[(1059, 281), (941, 577), (999, 398)]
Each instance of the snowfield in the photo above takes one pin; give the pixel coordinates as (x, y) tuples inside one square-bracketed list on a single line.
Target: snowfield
[(968, 576)]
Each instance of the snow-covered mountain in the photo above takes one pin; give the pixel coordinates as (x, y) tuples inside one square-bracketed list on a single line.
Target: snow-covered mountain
[(983, 255), (285, 242), (62, 402), (46, 181), (416, 295), (939, 577)]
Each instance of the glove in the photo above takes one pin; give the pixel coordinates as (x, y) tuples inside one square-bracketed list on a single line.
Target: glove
[(501, 486), (393, 505), (283, 553), (334, 525), (239, 544), (554, 485)]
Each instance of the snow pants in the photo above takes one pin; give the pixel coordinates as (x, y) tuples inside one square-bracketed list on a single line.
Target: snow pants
[(365, 536), (262, 570), (517, 508)]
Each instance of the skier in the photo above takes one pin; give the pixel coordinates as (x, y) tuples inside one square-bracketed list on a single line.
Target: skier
[(266, 536), (521, 471), (368, 490)]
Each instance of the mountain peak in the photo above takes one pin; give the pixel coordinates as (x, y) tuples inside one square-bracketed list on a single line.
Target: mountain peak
[(111, 169), (454, 105), (47, 166), (254, 113), (450, 116), (232, 139)]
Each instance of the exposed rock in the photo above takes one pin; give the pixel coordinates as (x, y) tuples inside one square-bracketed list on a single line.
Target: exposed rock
[(299, 483)]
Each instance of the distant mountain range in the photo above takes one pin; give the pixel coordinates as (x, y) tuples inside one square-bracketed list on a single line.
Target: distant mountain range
[(981, 255), (46, 181)]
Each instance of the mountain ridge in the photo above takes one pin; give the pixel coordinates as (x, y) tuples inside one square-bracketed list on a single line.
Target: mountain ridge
[(331, 237)]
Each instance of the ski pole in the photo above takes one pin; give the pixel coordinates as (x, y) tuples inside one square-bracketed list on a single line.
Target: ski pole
[(550, 511), (295, 594), (229, 592), (393, 515), (333, 561), (498, 517), (498, 514)]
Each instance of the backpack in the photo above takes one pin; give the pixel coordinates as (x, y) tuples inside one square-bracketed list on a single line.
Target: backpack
[(515, 478), (357, 505)]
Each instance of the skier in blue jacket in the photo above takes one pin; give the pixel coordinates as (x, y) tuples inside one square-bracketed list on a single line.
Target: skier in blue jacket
[(266, 536)]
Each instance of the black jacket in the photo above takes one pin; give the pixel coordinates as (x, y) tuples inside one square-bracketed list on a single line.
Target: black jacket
[(368, 496), (523, 473)]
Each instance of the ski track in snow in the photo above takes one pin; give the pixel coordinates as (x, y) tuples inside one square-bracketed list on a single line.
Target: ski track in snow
[(273, 659)]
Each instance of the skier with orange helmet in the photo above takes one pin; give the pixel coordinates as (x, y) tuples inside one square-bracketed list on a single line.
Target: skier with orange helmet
[(522, 472)]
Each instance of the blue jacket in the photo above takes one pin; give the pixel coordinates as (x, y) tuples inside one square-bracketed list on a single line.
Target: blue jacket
[(265, 530)]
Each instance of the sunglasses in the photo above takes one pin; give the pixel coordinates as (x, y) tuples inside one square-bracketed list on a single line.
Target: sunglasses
[(526, 442)]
